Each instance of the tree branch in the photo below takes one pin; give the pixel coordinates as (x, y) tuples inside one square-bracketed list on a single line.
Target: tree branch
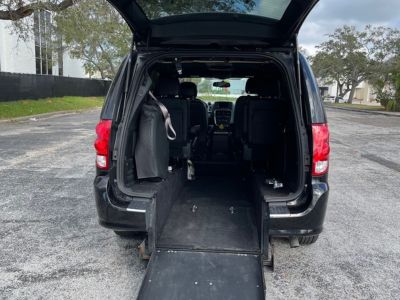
[(23, 11)]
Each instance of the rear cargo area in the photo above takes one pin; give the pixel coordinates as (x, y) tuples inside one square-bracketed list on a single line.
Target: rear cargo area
[(207, 168), (204, 173), (213, 212)]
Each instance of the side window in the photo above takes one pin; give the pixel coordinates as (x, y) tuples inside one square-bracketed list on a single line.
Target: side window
[(311, 93), (116, 90)]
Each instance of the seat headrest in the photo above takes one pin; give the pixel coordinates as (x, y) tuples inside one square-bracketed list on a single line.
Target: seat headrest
[(167, 87), (251, 86), (265, 87), (188, 90)]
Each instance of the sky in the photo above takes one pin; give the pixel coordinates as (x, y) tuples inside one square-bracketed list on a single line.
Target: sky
[(330, 14)]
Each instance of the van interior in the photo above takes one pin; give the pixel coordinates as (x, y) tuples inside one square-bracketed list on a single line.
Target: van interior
[(224, 155)]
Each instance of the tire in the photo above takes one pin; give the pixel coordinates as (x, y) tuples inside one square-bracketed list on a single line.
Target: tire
[(130, 234), (308, 240)]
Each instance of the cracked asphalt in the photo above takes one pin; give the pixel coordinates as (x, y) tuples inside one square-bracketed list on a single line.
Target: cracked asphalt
[(51, 246)]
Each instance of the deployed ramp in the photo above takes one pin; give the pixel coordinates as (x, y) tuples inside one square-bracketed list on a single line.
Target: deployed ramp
[(191, 275)]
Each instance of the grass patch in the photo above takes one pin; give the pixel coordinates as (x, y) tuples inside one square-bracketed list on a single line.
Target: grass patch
[(21, 108), (216, 98), (357, 106)]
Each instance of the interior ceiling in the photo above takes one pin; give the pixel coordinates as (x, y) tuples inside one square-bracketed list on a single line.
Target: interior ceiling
[(217, 69)]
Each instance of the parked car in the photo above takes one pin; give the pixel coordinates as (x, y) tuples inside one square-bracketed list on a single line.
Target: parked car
[(330, 99), (210, 187)]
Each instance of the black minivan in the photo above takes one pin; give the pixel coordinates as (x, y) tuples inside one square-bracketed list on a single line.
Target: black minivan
[(212, 140)]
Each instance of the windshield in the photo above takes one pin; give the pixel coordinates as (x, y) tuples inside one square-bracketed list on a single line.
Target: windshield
[(206, 90), (273, 9)]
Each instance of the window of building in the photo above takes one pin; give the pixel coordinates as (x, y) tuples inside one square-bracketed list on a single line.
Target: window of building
[(43, 42)]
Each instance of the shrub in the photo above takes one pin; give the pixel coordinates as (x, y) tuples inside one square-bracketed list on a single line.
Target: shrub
[(384, 102), (392, 105)]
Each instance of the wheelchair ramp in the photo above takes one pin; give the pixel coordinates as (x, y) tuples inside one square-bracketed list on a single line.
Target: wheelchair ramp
[(190, 275)]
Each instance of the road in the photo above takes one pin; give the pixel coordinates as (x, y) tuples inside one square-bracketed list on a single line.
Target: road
[(52, 247)]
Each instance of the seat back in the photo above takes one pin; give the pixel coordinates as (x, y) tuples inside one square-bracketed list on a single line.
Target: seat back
[(198, 108), (167, 91), (265, 119), (198, 120), (240, 113)]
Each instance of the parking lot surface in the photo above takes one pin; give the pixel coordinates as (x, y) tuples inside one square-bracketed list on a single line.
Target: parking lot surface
[(51, 246)]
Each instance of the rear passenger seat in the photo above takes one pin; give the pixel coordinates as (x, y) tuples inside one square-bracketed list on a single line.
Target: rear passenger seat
[(240, 112), (262, 118), (167, 91), (264, 114), (198, 119)]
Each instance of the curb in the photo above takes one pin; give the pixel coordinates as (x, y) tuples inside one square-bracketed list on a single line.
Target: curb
[(384, 113), (47, 115)]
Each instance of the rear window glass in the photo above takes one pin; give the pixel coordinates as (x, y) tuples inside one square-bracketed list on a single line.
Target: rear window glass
[(273, 9)]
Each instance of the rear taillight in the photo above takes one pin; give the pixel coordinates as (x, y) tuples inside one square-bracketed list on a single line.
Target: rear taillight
[(102, 144), (321, 149)]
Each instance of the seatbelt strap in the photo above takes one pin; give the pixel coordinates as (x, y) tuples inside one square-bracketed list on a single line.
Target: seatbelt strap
[(167, 118)]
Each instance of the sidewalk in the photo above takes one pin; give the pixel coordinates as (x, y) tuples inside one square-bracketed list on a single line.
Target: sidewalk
[(374, 112)]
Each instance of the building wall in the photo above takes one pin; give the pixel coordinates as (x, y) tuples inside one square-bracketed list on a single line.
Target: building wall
[(18, 56), (73, 67), (364, 91)]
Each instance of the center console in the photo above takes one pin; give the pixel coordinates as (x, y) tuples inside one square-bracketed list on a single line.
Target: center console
[(222, 116)]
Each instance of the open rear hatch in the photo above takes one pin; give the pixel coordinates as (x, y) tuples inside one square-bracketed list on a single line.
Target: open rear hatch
[(208, 22)]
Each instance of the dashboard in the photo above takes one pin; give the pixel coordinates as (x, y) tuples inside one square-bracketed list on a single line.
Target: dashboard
[(221, 112)]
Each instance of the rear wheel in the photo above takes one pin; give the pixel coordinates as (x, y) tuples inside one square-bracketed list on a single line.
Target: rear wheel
[(130, 234), (308, 240)]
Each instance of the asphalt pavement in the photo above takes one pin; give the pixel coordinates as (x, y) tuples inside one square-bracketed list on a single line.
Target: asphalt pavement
[(51, 246)]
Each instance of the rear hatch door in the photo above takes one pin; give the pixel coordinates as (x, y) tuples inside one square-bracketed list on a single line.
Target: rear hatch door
[(214, 22)]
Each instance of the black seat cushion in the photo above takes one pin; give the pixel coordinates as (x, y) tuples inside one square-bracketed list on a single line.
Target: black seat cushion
[(198, 118), (241, 110), (198, 108), (264, 121), (265, 113)]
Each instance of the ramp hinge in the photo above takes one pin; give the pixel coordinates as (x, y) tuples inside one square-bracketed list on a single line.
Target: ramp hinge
[(115, 154), (268, 258)]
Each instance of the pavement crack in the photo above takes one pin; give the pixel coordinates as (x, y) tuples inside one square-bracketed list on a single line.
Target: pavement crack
[(382, 161)]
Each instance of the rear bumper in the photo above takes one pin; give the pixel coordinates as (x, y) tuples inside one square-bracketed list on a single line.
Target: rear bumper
[(308, 222), (116, 216)]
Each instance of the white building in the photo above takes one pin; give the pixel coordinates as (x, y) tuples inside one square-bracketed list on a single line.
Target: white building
[(364, 92), (35, 56)]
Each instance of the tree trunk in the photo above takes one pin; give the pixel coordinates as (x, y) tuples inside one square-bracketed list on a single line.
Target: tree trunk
[(339, 91), (352, 92)]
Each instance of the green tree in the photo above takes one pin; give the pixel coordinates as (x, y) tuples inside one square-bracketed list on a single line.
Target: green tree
[(20, 12), (205, 86), (16, 9), (95, 33), (350, 57), (386, 76)]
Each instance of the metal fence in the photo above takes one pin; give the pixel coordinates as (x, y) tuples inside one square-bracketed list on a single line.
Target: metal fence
[(15, 86)]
